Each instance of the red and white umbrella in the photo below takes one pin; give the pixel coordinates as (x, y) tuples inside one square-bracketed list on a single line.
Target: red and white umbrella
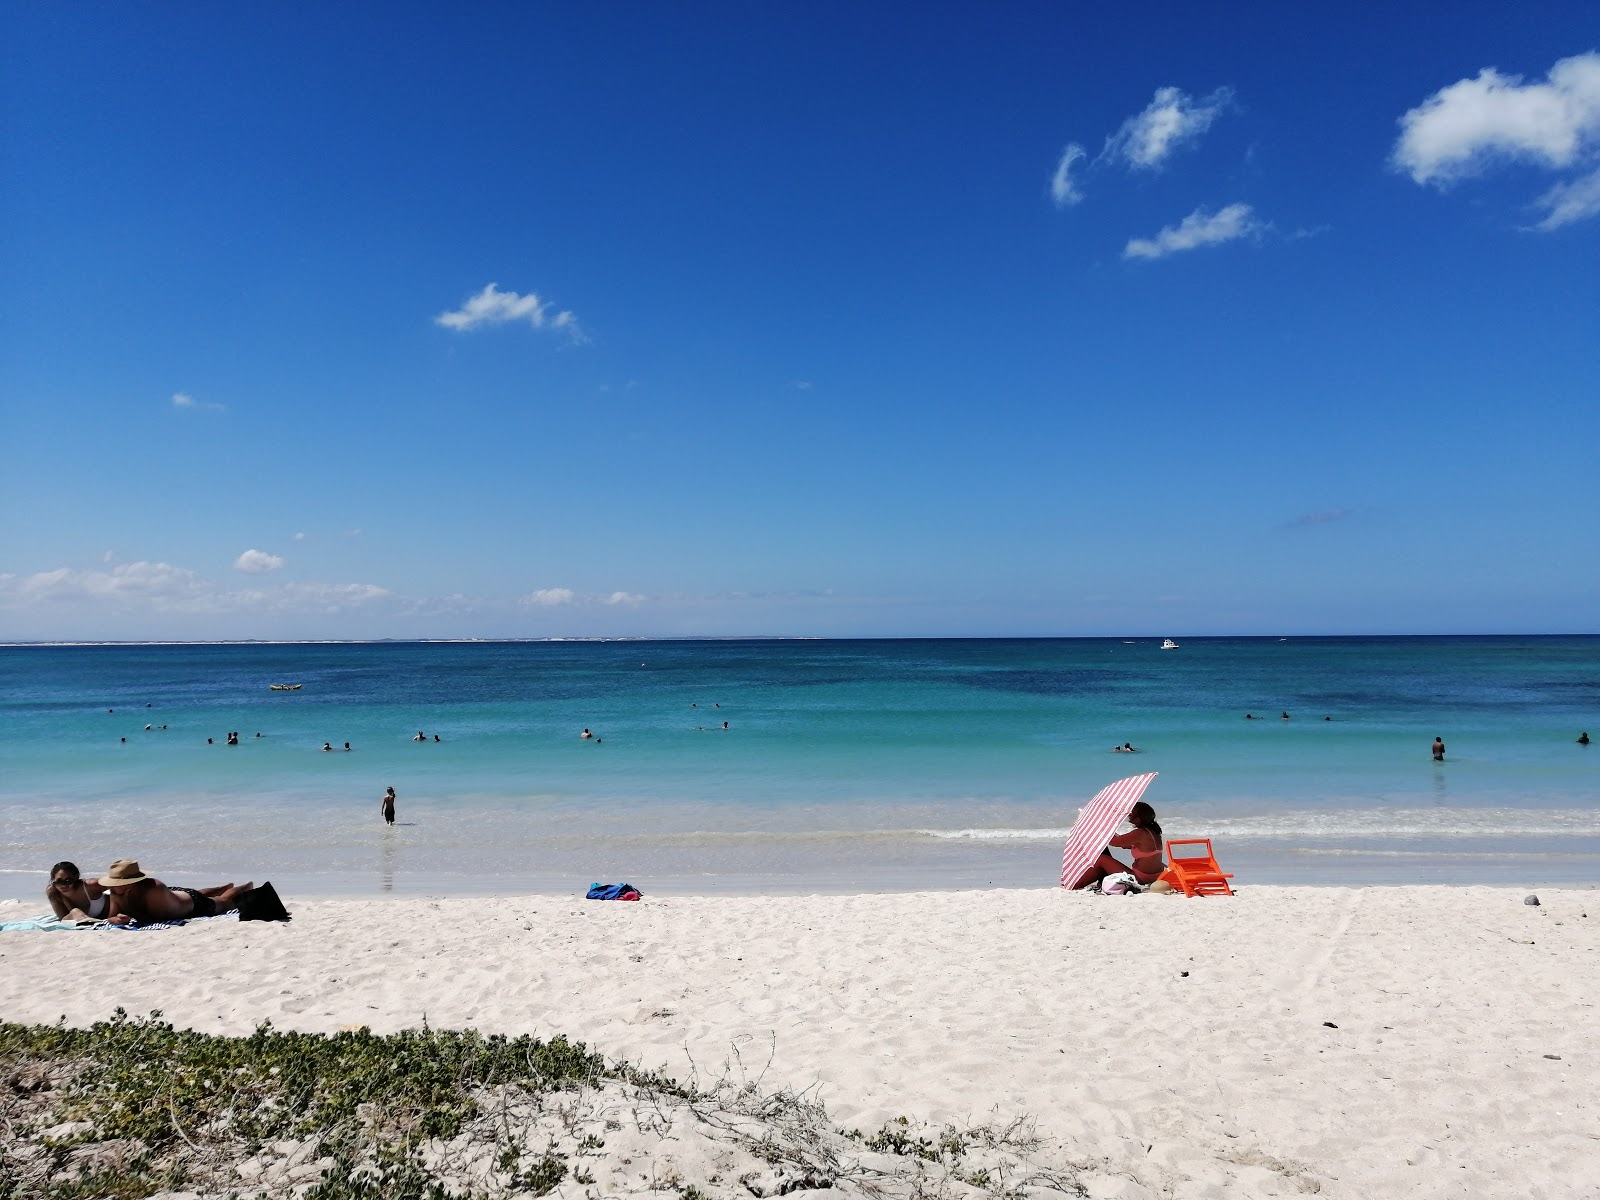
[(1097, 821)]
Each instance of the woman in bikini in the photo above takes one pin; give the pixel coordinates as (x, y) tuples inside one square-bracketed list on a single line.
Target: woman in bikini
[(1143, 842), (74, 898)]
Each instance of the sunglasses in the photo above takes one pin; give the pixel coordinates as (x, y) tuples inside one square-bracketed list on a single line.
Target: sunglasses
[(67, 882)]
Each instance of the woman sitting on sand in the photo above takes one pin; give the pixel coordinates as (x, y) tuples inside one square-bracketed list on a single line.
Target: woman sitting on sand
[(74, 898), (1143, 841)]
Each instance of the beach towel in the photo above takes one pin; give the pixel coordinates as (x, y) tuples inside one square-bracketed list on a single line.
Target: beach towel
[(613, 891), (1097, 821), (178, 924), (48, 923)]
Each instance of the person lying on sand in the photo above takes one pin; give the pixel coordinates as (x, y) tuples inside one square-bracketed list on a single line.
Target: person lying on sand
[(137, 897), (74, 898)]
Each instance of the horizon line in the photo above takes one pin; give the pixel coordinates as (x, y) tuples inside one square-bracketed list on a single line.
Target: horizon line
[(751, 637)]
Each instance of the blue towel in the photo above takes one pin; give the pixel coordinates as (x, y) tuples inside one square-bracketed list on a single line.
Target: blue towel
[(46, 923), (613, 891)]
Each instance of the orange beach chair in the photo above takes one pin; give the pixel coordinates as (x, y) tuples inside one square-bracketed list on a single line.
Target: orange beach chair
[(1196, 874)]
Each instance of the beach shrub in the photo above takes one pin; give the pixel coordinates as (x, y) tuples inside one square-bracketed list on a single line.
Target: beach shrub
[(131, 1107), (143, 1083)]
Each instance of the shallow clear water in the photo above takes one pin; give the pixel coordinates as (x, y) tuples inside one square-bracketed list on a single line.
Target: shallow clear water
[(846, 764)]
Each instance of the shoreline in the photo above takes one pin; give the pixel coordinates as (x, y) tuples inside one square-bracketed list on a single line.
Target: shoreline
[(1420, 1041), (380, 871)]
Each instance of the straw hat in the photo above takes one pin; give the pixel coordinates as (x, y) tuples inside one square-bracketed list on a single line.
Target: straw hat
[(122, 873)]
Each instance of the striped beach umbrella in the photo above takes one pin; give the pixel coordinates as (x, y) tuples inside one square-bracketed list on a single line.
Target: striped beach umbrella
[(1097, 821)]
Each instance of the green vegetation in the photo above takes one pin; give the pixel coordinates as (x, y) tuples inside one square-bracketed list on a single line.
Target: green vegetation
[(367, 1102), (131, 1107)]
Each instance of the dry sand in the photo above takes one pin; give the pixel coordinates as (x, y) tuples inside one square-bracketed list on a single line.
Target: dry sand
[(1416, 1041)]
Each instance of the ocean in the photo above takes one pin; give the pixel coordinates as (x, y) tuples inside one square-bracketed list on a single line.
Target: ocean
[(844, 765)]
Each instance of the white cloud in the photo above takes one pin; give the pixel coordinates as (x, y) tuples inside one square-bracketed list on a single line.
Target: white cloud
[(185, 400), (494, 307), (329, 597), (163, 588), (1459, 129), (1569, 202), (1172, 120), (629, 598), (162, 583), (257, 562), (1062, 189), (299, 537), (549, 597), (1199, 228)]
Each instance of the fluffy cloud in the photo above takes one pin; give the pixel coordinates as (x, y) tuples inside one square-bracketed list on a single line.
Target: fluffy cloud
[(163, 588), (1199, 228), (159, 582), (494, 307), (1459, 129), (257, 562), (1062, 189), (1568, 202), (549, 597), (1173, 119), (633, 599)]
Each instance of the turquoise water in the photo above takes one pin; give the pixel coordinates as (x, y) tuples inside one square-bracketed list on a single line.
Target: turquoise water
[(846, 764)]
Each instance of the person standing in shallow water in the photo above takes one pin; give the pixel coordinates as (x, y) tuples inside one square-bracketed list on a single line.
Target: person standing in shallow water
[(1438, 749), (388, 806)]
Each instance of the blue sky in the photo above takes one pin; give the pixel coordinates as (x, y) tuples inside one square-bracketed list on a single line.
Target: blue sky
[(384, 320)]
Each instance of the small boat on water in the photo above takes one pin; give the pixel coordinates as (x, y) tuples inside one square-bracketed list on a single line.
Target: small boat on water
[(284, 687), (1168, 644)]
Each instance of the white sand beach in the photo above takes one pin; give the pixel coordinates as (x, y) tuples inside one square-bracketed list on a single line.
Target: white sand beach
[(1411, 1041)]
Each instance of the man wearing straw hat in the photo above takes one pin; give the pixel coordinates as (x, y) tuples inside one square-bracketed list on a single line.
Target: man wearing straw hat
[(139, 898)]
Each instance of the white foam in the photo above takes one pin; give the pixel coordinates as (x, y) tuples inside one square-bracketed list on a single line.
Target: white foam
[(1347, 823)]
